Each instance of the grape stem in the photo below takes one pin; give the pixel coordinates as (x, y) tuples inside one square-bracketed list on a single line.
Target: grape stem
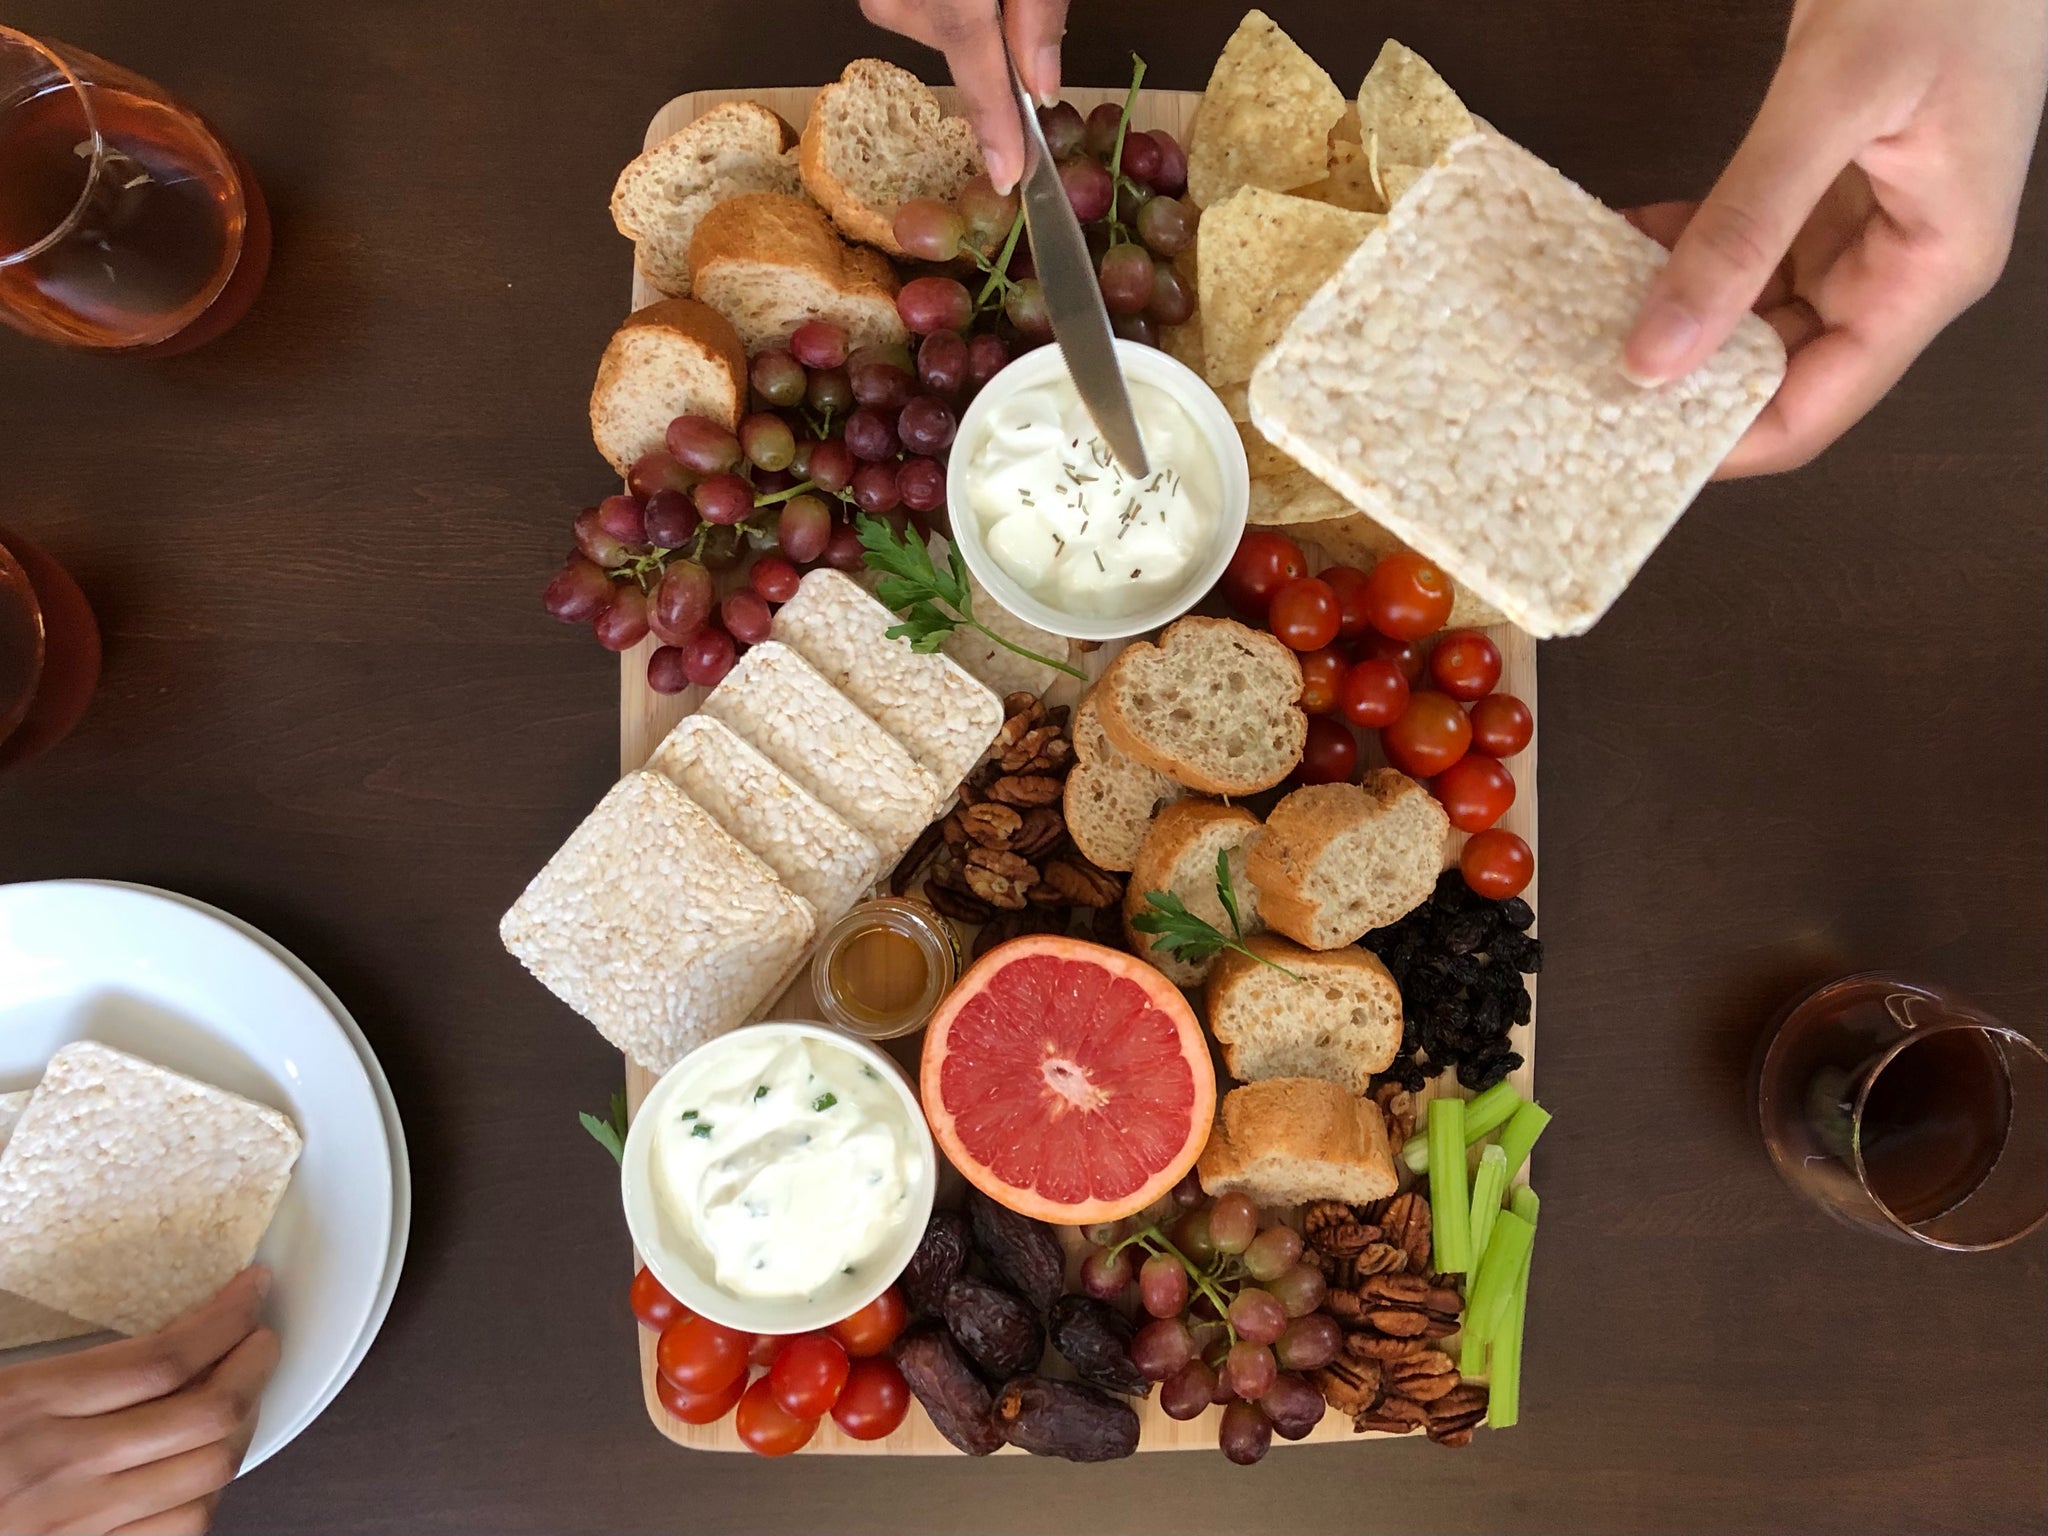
[(1118, 235), (998, 286), (1156, 1242), (799, 489)]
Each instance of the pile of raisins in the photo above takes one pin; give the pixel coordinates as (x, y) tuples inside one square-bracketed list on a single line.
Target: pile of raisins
[(1459, 959)]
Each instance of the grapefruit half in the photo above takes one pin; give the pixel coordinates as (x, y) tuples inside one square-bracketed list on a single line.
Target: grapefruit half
[(1067, 1080)]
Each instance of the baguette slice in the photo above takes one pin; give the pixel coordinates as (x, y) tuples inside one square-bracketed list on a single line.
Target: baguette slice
[(1178, 854), (876, 139), (735, 148), (1339, 860), (674, 358), (769, 261), (1211, 705), (1341, 1022), (1289, 1140), (1110, 799)]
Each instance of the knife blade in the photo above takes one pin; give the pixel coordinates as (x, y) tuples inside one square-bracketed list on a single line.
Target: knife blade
[(1073, 300)]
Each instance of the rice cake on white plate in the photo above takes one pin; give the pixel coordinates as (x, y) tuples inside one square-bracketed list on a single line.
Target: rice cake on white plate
[(1459, 380), (929, 702), (22, 1321), (809, 845), (656, 925), (129, 1192)]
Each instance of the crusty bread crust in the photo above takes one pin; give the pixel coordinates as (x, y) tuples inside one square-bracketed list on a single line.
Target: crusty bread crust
[(1341, 1022), (1110, 799), (732, 119), (1293, 1139), (950, 137), (1181, 831), (1191, 644), (768, 236), (1295, 857), (694, 325)]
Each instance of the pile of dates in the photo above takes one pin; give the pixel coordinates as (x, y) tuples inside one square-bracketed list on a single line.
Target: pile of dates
[(987, 1287)]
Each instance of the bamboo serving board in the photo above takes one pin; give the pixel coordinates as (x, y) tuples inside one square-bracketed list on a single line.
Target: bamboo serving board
[(646, 716)]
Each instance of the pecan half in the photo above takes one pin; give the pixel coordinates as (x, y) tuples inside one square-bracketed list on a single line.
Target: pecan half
[(1406, 1222), (1042, 827), (1422, 1377), (1349, 1386), (1395, 1290), (1023, 702), (1374, 1259), (1397, 1104), (1398, 1321), (1368, 1344), (961, 906), (912, 864), (1393, 1416), (1028, 747), (1345, 1306), (1081, 883), (1333, 1228), (1454, 1416), (999, 878), (989, 825), (1021, 789)]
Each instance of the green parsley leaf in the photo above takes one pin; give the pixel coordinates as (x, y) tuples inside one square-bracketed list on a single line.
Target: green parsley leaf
[(761, 1092), (608, 1131), (1186, 936), (932, 602), (701, 1128), (824, 1101)]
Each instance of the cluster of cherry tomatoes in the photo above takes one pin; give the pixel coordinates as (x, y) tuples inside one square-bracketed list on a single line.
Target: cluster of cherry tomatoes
[(1359, 634), (704, 1370)]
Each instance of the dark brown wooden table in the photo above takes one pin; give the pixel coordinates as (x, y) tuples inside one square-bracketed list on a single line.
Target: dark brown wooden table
[(1809, 740)]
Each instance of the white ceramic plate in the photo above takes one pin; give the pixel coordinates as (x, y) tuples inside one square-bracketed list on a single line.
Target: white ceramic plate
[(151, 975)]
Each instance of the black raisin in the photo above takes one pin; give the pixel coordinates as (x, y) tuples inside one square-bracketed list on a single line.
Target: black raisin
[(1095, 1339), (956, 1398), (1531, 960), (1065, 1419), (1520, 1010), (997, 1328), (939, 1257), (1024, 1252), (1464, 932), (1517, 913)]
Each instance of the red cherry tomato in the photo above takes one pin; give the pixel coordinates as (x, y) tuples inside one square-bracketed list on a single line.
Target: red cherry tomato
[(1330, 755), (1404, 654), (1304, 614), (1465, 664), (1374, 694), (1264, 560), (1476, 792), (1349, 583), (808, 1374), (874, 1402), (1501, 725), (766, 1347), (1322, 680), (699, 1407), (701, 1356), (1407, 597), (1431, 734), (763, 1426), (1497, 864), (652, 1303), (874, 1327)]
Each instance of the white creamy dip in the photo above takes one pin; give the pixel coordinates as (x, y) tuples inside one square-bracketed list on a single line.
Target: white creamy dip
[(1060, 516), (790, 1162)]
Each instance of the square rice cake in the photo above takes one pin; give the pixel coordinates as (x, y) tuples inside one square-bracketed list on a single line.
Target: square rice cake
[(129, 1192), (22, 1322), (1459, 379), (656, 925)]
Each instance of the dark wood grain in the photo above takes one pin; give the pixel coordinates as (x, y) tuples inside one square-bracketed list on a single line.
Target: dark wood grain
[(1810, 739)]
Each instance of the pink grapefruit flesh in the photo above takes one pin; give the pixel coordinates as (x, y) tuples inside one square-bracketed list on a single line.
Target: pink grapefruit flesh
[(1067, 1080)]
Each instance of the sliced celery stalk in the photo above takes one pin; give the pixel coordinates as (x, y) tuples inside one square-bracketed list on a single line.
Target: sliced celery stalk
[(1504, 1387), (1493, 1286), (1485, 1112), (1521, 1133), (1450, 1209), (1524, 1204), (1488, 1184)]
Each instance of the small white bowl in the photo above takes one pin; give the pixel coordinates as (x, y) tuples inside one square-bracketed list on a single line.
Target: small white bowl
[(1154, 367), (679, 1261)]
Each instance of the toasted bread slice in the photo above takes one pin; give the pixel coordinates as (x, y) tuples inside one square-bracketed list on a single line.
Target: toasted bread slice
[(673, 358), (1289, 1140), (1339, 860), (734, 148), (1341, 1022), (1110, 799), (1178, 854), (878, 138), (769, 261), (1212, 705)]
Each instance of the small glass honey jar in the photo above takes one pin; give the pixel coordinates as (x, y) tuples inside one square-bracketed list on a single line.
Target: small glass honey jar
[(881, 969)]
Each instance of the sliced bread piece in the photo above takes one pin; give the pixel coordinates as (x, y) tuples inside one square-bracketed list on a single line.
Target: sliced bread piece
[(769, 261), (1110, 799), (674, 358), (1212, 704), (810, 847), (877, 138), (1339, 860), (1341, 1022), (1178, 854), (927, 702), (1289, 1140), (735, 148)]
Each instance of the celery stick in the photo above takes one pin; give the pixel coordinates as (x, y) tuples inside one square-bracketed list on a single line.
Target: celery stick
[(1487, 1186), (1485, 1113), (1521, 1134), (1493, 1286), (1504, 1387), (1450, 1209), (1524, 1204)]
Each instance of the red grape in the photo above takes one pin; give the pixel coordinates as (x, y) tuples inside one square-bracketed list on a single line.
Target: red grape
[(666, 670), (709, 656), (1025, 306), (922, 484), (623, 625), (1089, 189), (624, 518), (875, 488), (720, 547), (682, 601), (871, 434), (1141, 156), (832, 465), (1161, 1348), (1104, 1275), (1188, 1392), (1293, 1406), (1163, 1285), (1064, 131), (1187, 1194), (578, 592), (745, 617), (598, 546), (1233, 1222), (1171, 179), (1138, 328), (1101, 127), (987, 356), (1166, 226), (658, 470), (1272, 1253), (1125, 276), (818, 344), (926, 425), (987, 212), (671, 519), (767, 441), (1172, 301), (880, 386), (1257, 1316), (777, 377), (843, 551), (803, 527), (942, 364), (1300, 1291), (928, 304), (929, 229), (703, 445), (1245, 1435), (1250, 1369), (829, 390), (1310, 1342), (769, 481), (723, 498), (774, 578), (895, 353)]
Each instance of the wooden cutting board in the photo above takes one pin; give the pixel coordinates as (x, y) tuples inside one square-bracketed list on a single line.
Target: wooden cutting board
[(646, 716)]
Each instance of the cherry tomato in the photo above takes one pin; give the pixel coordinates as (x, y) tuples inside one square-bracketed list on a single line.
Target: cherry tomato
[(1264, 560), (1497, 864), (1349, 583), (766, 1347), (1476, 792), (1322, 680), (1501, 725), (652, 1303), (765, 1428), (1330, 755), (701, 1356), (1465, 664), (1374, 694), (874, 1327), (808, 1374), (1404, 654), (1431, 734), (1304, 614), (1407, 597), (874, 1402), (699, 1407)]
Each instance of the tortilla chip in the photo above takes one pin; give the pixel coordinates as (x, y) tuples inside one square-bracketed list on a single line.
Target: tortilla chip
[(1397, 179), (1261, 457), (1183, 343), (1262, 255), (1349, 184), (1295, 496), (1407, 103), (1348, 129), (1265, 118), (1236, 402)]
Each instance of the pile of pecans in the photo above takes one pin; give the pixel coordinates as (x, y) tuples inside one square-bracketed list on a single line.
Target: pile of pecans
[(1001, 859), (1394, 1312)]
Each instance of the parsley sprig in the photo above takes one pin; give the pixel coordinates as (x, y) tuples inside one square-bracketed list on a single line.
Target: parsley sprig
[(608, 1131), (1184, 936), (932, 602)]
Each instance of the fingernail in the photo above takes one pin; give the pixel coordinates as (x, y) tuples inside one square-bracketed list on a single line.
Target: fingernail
[(1047, 74), (1659, 344), (1000, 174), (262, 1280)]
